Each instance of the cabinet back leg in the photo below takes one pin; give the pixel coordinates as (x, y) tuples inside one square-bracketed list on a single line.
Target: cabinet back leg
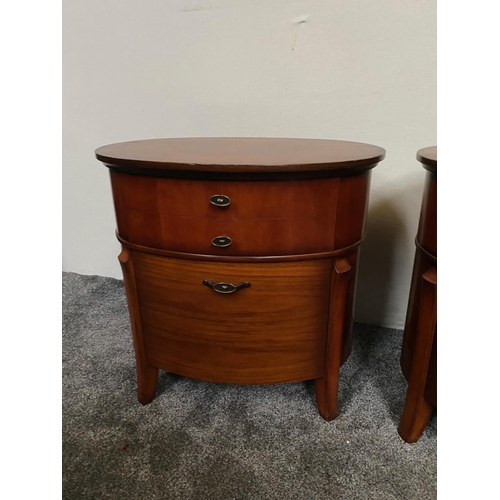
[(417, 410), (327, 387), (147, 375)]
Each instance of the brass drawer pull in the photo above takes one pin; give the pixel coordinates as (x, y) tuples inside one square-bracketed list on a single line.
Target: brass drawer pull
[(221, 241), (220, 200), (224, 287)]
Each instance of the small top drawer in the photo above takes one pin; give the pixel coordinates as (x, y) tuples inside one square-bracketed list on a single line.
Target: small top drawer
[(237, 200)]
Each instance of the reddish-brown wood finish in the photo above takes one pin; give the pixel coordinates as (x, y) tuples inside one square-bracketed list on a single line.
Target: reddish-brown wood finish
[(295, 231), (417, 409), (263, 218), (147, 374), (248, 237), (418, 352), (327, 385), (352, 258), (248, 200), (352, 206), (427, 229), (428, 158), (240, 155), (273, 331)]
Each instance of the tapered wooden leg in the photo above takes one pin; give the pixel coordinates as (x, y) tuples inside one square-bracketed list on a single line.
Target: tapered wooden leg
[(327, 387), (147, 378), (147, 375), (417, 410)]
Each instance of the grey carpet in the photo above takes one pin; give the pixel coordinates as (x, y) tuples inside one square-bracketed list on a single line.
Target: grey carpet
[(199, 440)]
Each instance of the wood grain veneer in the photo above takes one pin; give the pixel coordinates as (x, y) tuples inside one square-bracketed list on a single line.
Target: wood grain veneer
[(295, 216), (419, 349), (273, 331)]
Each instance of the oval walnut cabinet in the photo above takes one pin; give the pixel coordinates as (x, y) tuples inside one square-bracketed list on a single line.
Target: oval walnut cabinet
[(240, 256), (418, 352)]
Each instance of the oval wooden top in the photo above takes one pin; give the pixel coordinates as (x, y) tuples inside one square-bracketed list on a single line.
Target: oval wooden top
[(241, 155), (428, 158)]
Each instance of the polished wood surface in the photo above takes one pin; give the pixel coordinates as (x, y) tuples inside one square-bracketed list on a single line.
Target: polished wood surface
[(295, 238), (327, 386), (352, 207), (263, 218), (418, 352), (241, 154), (273, 331), (418, 409), (428, 158), (248, 200), (147, 374), (427, 229)]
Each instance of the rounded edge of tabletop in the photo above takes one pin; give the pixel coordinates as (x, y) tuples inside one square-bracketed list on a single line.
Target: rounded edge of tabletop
[(428, 158), (148, 167)]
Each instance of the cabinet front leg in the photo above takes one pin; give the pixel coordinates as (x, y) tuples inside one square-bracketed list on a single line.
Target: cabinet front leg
[(327, 387), (147, 375), (417, 410)]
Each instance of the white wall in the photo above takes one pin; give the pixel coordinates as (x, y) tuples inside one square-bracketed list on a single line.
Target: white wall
[(354, 70)]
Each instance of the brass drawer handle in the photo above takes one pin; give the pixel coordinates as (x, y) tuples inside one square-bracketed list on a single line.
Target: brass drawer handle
[(221, 241), (224, 287), (220, 200)]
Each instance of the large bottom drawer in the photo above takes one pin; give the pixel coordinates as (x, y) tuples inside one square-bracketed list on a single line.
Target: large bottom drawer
[(272, 331)]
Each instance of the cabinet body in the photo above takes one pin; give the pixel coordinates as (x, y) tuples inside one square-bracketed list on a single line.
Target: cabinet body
[(243, 277), (419, 348)]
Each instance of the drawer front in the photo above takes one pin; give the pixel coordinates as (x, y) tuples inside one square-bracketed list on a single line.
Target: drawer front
[(273, 330), (232, 237), (258, 218), (247, 200)]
